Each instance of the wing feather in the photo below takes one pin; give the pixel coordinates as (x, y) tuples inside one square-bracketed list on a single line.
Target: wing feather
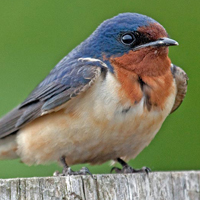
[(181, 80), (61, 85)]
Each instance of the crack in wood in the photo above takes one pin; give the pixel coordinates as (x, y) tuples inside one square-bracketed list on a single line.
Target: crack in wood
[(156, 185)]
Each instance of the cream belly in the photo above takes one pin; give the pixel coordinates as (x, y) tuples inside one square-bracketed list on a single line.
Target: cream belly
[(92, 128)]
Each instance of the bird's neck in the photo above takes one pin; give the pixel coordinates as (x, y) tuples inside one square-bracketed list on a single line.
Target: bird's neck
[(148, 61), (150, 78)]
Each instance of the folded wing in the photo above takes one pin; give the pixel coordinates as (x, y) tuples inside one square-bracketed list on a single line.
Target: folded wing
[(65, 81), (181, 80)]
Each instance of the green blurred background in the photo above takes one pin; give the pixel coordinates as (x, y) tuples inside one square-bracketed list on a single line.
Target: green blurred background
[(35, 35)]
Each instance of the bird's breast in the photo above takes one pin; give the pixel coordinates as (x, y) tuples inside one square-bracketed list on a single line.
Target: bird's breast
[(94, 127)]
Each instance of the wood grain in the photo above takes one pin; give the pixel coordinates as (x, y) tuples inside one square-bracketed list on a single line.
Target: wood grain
[(183, 185)]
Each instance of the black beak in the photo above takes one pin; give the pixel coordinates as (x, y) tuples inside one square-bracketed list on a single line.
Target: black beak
[(158, 43)]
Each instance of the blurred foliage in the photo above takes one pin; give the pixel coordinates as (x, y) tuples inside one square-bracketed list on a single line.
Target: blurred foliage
[(35, 35)]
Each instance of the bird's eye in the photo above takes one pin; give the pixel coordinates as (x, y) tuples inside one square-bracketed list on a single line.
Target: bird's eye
[(128, 39)]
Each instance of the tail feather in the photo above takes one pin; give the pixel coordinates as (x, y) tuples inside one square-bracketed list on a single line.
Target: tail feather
[(18, 117), (8, 122)]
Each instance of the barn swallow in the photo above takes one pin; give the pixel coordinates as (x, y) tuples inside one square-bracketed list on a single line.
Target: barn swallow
[(105, 100)]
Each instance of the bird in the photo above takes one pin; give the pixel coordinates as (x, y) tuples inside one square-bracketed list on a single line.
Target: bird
[(105, 100)]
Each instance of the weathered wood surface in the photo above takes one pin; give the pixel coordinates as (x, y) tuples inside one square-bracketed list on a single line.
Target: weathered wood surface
[(156, 185)]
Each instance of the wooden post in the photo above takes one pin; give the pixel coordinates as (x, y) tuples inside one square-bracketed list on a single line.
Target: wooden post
[(157, 185)]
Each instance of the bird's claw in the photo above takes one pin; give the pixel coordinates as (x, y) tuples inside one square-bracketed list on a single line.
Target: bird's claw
[(127, 170), (67, 171)]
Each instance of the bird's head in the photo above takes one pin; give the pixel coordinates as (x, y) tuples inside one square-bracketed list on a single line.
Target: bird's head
[(131, 41)]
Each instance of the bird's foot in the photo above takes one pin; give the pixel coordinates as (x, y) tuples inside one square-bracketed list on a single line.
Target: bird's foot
[(128, 169), (67, 171)]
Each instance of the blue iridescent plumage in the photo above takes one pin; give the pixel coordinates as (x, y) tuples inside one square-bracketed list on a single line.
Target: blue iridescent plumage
[(105, 100), (71, 75), (102, 42)]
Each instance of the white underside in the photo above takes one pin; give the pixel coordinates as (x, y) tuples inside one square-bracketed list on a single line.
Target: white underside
[(91, 128)]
